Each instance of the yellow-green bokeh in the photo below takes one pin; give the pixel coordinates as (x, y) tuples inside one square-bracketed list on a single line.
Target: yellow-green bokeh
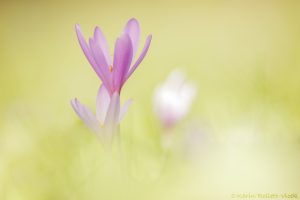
[(244, 57)]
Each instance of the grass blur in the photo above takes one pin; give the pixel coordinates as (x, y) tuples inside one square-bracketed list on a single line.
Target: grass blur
[(244, 57)]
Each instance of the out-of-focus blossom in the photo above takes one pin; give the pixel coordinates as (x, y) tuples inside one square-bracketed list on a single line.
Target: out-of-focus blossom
[(113, 74), (173, 99), (108, 114)]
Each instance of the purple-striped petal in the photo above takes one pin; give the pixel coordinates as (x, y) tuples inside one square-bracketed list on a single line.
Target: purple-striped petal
[(86, 115), (124, 109), (132, 28), (87, 52), (101, 41), (102, 104), (122, 60), (140, 59)]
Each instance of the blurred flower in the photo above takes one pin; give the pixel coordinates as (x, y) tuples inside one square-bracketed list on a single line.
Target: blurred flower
[(172, 99), (108, 114), (114, 74)]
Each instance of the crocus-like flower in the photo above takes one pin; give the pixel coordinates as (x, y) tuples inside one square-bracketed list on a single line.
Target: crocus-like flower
[(172, 99), (114, 73), (108, 114)]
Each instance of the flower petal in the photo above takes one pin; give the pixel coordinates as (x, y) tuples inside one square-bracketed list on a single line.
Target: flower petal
[(101, 41), (175, 81), (124, 109), (101, 62), (112, 116), (102, 104), (87, 52), (188, 93), (86, 115), (140, 59), (122, 60), (132, 28)]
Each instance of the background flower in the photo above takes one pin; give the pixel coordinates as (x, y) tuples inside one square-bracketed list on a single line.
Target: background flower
[(173, 99)]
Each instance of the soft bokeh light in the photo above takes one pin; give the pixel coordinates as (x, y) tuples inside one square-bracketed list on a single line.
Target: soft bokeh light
[(244, 57)]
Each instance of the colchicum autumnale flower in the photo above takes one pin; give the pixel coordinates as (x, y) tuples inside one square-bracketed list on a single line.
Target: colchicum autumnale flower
[(108, 114), (173, 99), (114, 74)]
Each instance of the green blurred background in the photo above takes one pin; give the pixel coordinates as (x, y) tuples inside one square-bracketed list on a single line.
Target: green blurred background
[(243, 55)]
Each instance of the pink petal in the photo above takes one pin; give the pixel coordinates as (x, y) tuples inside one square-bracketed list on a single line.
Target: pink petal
[(122, 60), (124, 109), (87, 52), (86, 115), (140, 59), (101, 63), (102, 103), (132, 28), (101, 41)]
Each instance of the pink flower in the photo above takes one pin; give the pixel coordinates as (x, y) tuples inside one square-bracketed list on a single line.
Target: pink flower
[(114, 74), (108, 114), (173, 99)]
